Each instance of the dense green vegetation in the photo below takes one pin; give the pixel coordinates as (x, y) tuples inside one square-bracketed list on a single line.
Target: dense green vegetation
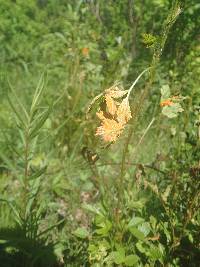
[(70, 197)]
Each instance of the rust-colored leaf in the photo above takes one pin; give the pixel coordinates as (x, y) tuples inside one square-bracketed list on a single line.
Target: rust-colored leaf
[(166, 102)]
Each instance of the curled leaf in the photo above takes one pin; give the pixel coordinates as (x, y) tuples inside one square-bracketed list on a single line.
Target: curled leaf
[(111, 105), (115, 92)]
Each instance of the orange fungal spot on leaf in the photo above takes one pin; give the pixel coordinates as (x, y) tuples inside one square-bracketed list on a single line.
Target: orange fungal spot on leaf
[(85, 51), (166, 102)]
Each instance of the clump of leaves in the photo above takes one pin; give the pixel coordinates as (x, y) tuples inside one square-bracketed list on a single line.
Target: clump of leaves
[(149, 40)]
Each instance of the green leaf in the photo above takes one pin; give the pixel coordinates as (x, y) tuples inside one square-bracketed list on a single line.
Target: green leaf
[(118, 256), (37, 94), (137, 204), (153, 221), (38, 173), (144, 228), (155, 253), (105, 244), (172, 111), (14, 209), (135, 221), (92, 248), (17, 100), (92, 209), (165, 92), (50, 227), (139, 246), (105, 227), (17, 113), (138, 234), (39, 121), (8, 163), (148, 39), (131, 260), (81, 233)]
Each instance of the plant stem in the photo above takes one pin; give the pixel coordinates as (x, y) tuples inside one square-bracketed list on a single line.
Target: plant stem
[(26, 167)]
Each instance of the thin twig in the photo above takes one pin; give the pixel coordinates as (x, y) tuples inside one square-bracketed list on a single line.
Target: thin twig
[(145, 132)]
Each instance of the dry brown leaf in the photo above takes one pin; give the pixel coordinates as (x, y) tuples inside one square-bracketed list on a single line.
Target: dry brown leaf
[(115, 92), (154, 238), (124, 112), (111, 105)]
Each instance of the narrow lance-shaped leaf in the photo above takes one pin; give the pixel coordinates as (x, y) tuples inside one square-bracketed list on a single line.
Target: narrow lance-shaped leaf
[(39, 121), (16, 112), (23, 110), (38, 173), (37, 95)]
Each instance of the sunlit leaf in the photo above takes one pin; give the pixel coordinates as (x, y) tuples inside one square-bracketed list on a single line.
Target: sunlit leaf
[(81, 233), (131, 260)]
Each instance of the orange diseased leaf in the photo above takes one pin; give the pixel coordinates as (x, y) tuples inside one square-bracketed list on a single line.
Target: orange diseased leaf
[(85, 51), (113, 114), (111, 106), (109, 130), (124, 112), (115, 92), (166, 102)]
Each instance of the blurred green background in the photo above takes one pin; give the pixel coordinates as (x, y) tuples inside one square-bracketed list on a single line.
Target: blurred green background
[(81, 48)]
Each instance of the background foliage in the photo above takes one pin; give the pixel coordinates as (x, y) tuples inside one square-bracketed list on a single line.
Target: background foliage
[(58, 207)]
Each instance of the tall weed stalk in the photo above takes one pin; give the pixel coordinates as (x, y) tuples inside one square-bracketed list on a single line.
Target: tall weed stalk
[(158, 50)]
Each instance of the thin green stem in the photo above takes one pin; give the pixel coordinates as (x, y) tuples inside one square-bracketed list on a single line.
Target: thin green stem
[(26, 166)]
